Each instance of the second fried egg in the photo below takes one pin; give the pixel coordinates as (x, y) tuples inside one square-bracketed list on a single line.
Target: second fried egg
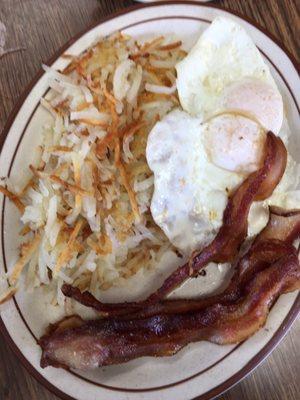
[(192, 183)]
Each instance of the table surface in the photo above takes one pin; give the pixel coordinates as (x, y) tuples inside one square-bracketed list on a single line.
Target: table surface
[(43, 26)]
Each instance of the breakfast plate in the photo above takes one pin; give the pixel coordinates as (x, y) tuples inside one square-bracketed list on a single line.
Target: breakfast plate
[(202, 369)]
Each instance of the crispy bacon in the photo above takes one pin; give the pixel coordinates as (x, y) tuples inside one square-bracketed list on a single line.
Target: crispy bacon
[(111, 341), (258, 186)]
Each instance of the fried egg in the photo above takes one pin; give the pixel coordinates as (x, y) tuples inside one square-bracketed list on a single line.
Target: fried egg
[(225, 70), (194, 175), (200, 154)]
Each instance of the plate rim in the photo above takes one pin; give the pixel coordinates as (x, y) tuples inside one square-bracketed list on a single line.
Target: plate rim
[(295, 308)]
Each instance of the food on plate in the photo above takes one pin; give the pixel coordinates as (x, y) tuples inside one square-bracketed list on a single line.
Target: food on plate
[(102, 342), (153, 151), (270, 268), (105, 342)]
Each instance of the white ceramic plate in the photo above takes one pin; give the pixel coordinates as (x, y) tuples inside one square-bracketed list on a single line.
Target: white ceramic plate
[(201, 369)]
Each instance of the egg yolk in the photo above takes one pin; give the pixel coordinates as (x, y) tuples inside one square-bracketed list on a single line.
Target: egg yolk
[(234, 143), (257, 98)]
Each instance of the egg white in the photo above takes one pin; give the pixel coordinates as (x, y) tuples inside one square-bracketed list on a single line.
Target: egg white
[(224, 54)]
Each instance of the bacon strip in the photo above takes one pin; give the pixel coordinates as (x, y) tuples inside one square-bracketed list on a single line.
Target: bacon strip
[(258, 186), (101, 342)]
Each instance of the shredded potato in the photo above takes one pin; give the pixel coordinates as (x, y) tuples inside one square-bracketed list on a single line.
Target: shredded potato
[(13, 197), (125, 182), (170, 46), (27, 253), (8, 294), (86, 208), (66, 255)]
